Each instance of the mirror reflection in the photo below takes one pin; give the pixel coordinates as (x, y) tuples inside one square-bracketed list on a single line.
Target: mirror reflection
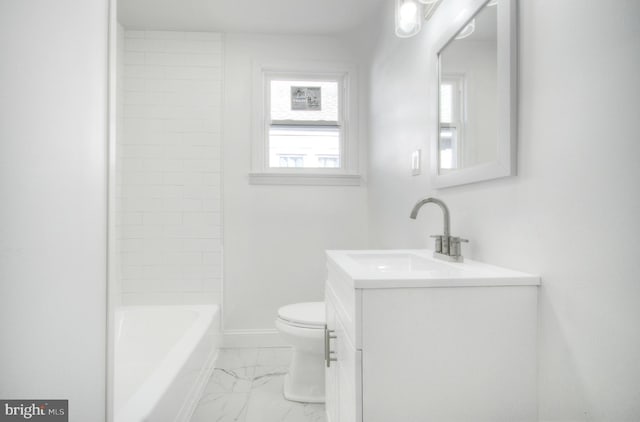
[(468, 94)]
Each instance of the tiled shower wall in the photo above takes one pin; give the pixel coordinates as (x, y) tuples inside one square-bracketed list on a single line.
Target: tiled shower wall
[(169, 192)]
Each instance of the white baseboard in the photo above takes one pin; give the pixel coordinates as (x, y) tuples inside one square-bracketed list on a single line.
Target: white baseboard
[(252, 338)]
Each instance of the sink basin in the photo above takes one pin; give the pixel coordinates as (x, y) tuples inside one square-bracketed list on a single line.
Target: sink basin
[(400, 263), (418, 268)]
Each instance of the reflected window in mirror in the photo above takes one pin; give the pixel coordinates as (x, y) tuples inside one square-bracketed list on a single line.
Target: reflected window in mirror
[(452, 101), (468, 82)]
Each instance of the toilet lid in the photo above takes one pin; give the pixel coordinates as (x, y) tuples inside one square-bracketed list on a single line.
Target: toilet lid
[(308, 313)]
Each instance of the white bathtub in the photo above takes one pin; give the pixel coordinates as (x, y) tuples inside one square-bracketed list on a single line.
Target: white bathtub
[(164, 356)]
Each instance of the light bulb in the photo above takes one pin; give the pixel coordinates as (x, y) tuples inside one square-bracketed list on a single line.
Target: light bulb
[(467, 30), (408, 13), (408, 18)]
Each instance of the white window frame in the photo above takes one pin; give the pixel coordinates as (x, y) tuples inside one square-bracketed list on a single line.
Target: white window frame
[(345, 75)]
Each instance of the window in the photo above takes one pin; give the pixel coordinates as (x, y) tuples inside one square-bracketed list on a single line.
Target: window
[(451, 121), (303, 131)]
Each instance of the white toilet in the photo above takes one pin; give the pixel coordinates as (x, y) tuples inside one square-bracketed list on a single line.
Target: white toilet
[(302, 326)]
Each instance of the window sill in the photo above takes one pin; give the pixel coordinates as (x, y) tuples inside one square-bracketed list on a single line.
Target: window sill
[(305, 179)]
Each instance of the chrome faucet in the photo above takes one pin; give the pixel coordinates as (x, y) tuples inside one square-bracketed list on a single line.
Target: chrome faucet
[(447, 246)]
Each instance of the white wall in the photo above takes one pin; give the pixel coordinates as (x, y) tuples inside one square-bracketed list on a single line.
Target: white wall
[(275, 236), (169, 221), (570, 215), (53, 114)]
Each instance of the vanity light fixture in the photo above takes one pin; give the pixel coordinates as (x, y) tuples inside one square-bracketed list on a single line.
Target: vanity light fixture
[(411, 13)]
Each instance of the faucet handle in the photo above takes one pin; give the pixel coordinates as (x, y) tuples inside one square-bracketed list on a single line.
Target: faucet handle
[(454, 245), (438, 238)]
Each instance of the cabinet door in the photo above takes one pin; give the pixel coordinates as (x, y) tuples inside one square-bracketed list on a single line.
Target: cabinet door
[(332, 394), (343, 376), (349, 376)]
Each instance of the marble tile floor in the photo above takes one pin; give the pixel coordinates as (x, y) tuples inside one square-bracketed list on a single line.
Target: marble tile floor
[(246, 386)]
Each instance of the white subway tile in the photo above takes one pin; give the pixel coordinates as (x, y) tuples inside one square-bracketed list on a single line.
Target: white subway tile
[(133, 58), (143, 151), (203, 138), (144, 204), (164, 35), (185, 258), (139, 178), (142, 232), (183, 204), (132, 245), (135, 44), (157, 85), (192, 98), (202, 165), (212, 258), (193, 72), (209, 47), (131, 258), (143, 131), (162, 218), (204, 245), (205, 60), (146, 45), (130, 272), (199, 219), (182, 178), (209, 36), (131, 34), (203, 192), (160, 97), (153, 165), (130, 217), (140, 71), (212, 284), (211, 179), (184, 125), (211, 205), (136, 97), (131, 165), (164, 59), (164, 271), (138, 85)]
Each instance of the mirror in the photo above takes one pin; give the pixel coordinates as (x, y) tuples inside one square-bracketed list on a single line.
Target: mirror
[(475, 137)]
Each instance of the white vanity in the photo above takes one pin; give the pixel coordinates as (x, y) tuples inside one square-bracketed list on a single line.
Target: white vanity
[(412, 339)]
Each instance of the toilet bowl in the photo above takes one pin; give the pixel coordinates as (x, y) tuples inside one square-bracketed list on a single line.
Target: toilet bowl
[(302, 326)]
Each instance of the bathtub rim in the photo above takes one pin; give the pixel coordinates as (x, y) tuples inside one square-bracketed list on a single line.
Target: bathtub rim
[(153, 388)]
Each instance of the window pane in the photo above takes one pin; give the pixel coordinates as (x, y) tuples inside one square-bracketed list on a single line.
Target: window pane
[(309, 147), (304, 100), (446, 102), (448, 148)]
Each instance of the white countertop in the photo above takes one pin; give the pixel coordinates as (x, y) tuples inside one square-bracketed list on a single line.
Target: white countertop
[(403, 268)]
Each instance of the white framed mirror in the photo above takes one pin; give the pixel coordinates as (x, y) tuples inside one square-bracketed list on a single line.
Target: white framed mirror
[(476, 130)]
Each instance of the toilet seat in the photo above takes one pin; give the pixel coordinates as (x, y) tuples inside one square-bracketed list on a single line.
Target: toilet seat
[(304, 315)]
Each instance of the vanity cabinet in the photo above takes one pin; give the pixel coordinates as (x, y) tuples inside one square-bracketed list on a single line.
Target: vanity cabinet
[(454, 343)]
